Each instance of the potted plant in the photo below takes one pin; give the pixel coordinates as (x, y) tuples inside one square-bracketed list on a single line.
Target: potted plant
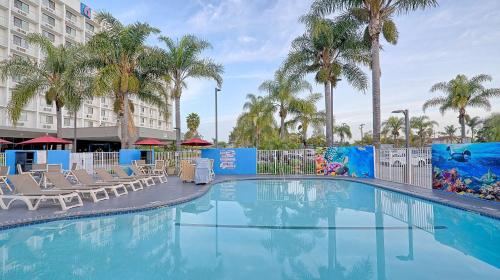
[(171, 167)]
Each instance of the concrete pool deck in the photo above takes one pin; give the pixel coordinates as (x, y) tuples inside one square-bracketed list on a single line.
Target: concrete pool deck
[(175, 192)]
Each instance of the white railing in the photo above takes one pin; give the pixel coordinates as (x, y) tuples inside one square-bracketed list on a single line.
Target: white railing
[(412, 166), (106, 159), (2, 159), (83, 161), (173, 158), (286, 162)]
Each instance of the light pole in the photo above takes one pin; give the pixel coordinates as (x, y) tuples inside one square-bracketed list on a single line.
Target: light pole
[(406, 113), (216, 125), (361, 130)]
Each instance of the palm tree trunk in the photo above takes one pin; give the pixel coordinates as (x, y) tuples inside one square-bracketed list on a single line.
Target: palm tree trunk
[(75, 122), (59, 120), (331, 113), (329, 121), (124, 124), (178, 122), (282, 122), (461, 119), (375, 56)]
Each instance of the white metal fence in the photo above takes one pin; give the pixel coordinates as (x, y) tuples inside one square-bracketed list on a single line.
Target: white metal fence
[(2, 159), (412, 166), (286, 162), (89, 161), (173, 158)]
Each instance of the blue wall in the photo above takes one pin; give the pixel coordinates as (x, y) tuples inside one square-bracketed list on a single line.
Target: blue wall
[(239, 161), (59, 157), (469, 169), (10, 159), (128, 155)]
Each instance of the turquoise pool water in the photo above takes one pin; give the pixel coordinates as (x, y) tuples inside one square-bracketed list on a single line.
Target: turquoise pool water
[(268, 229)]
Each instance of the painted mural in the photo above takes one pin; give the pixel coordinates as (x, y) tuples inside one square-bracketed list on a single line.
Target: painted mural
[(345, 161), (468, 169)]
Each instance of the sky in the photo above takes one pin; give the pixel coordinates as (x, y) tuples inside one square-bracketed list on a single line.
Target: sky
[(251, 38)]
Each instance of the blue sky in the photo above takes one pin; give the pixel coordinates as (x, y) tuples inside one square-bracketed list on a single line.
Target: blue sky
[(252, 37)]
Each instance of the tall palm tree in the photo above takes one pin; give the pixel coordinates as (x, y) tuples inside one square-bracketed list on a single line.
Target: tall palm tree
[(449, 132), (193, 122), (306, 114), (343, 131), (125, 66), (332, 49), (461, 93), (377, 16), (53, 76), (283, 91), (183, 61), (392, 126), (473, 124), (423, 127)]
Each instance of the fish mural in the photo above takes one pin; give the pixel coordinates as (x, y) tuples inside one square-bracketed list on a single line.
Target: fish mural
[(467, 169), (345, 161)]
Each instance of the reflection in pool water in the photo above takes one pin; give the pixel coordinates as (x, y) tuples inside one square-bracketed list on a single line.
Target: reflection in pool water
[(269, 229)]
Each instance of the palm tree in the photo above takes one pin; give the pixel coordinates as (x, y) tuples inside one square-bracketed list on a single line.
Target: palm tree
[(449, 132), (124, 67), (377, 16), (255, 123), (343, 131), (306, 114), (462, 93), (182, 61), (193, 122), (393, 126), (424, 128), (473, 123), (53, 76), (283, 91), (490, 132), (332, 50)]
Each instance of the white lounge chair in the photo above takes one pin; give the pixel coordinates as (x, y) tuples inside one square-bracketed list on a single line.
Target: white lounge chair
[(60, 183), (145, 179), (4, 172), (134, 184), (85, 179), (27, 190)]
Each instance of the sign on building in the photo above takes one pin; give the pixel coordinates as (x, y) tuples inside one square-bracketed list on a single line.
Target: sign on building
[(85, 10)]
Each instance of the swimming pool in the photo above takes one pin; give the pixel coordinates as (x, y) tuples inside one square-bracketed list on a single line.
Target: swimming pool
[(264, 229)]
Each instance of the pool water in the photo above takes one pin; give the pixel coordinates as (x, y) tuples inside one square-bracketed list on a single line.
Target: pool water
[(264, 229)]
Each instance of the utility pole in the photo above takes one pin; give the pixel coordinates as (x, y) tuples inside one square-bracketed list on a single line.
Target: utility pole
[(216, 124), (361, 129)]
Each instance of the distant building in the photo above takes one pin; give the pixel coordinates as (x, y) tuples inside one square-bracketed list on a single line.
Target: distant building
[(63, 22)]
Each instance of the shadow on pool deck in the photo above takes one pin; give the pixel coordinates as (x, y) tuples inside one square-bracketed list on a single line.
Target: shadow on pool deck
[(175, 192)]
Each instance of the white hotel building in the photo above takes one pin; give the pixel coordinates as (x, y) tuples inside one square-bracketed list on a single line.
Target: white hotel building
[(63, 22)]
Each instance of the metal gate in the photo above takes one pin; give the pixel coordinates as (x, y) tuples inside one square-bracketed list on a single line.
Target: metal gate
[(412, 166), (83, 161)]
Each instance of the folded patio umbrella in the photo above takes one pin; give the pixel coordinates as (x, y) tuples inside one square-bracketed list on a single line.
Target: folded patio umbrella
[(196, 142)]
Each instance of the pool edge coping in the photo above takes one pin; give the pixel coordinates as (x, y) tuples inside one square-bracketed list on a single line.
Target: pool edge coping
[(453, 201)]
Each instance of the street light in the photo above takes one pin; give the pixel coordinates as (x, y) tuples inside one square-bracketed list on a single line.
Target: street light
[(216, 125), (406, 113), (361, 129)]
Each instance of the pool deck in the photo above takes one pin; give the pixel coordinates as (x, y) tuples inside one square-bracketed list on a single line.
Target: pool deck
[(174, 192)]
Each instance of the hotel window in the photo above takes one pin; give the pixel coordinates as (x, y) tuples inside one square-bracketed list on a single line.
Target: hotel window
[(49, 119), (21, 23), (22, 6), (90, 110), (159, 123), (70, 16), (151, 123), (23, 117), (67, 122), (69, 44), (143, 110), (19, 41), (103, 113), (49, 3), (143, 121), (70, 30), (103, 100), (89, 124), (48, 20), (49, 36), (16, 78), (89, 27)]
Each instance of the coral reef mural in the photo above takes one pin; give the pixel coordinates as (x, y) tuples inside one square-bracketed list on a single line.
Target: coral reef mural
[(468, 169), (345, 161)]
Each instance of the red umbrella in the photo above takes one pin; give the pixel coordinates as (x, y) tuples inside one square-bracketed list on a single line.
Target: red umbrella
[(4, 142), (47, 139), (196, 142), (150, 142)]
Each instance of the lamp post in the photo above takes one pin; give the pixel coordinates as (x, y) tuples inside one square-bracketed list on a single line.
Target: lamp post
[(406, 113), (216, 125), (361, 130)]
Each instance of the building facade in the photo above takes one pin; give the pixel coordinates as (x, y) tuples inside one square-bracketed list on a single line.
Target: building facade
[(62, 22)]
